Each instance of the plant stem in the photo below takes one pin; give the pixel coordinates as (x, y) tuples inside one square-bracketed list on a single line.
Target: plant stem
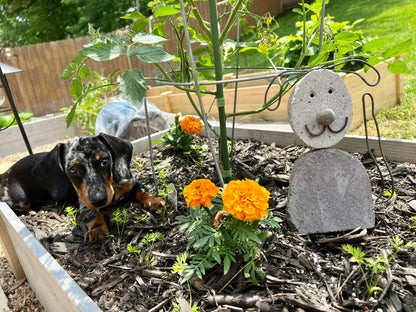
[(223, 150), (128, 58), (230, 21), (304, 28), (304, 46), (199, 19)]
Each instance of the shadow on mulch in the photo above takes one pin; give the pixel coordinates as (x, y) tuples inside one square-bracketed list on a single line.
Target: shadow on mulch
[(312, 272)]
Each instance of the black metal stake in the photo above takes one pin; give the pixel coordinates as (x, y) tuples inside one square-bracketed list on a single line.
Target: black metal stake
[(14, 109)]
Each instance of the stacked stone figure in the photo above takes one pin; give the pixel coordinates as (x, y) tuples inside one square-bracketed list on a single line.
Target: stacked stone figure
[(329, 190)]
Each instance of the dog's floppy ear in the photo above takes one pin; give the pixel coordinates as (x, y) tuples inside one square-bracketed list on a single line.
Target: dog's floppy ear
[(122, 151), (50, 173)]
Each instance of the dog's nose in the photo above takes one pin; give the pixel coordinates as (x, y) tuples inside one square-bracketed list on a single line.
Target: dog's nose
[(98, 199)]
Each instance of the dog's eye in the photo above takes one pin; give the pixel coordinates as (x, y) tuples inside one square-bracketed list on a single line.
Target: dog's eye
[(105, 162), (73, 170)]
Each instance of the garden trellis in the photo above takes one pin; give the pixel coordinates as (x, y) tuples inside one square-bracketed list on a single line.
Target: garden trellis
[(291, 76)]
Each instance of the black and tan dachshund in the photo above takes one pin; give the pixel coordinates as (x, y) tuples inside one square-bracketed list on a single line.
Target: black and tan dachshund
[(91, 171)]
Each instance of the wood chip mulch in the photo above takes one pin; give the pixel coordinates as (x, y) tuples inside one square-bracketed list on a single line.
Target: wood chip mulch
[(303, 272)]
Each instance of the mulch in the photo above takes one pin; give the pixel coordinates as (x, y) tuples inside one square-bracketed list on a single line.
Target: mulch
[(303, 272)]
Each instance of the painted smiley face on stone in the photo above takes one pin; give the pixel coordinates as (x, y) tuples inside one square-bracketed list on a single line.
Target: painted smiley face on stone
[(320, 109)]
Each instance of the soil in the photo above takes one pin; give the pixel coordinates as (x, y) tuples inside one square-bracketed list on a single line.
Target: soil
[(302, 272)]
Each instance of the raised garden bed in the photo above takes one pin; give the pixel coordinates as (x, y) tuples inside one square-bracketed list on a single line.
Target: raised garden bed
[(292, 261)]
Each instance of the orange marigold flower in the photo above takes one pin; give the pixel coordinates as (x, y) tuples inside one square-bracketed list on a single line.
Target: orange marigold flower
[(200, 192), (246, 200), (191, 125)]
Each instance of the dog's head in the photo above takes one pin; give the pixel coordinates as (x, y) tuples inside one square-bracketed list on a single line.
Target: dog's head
[(97, 167)]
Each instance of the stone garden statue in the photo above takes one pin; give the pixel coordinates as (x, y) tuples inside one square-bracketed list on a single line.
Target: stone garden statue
[(329, 188)]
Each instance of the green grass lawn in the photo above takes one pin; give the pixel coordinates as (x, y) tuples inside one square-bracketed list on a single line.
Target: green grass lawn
[(385, 19)]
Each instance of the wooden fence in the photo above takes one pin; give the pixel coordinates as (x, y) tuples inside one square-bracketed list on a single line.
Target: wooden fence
[(40, 90)]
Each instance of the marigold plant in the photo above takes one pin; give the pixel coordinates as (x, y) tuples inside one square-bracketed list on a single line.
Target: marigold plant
[(246, 200), (222, 229), (180, 135), (191, 125), (200, 193)]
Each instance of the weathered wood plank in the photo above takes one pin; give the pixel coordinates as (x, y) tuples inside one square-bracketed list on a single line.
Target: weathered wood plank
[(142, 144), (9, 251), (39, 133), (393, 149), (3, 302), (54, 288)]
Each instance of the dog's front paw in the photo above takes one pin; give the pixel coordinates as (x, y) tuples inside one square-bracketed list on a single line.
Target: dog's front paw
[(149, 202), (97, 229), (96, 233)]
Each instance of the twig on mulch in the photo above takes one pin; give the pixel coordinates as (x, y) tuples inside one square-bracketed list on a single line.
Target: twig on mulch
[(346, 238), (8, 291)]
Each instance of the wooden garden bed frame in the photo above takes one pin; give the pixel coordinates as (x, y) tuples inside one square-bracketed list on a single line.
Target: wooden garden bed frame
[(39, 133), (55, 288)]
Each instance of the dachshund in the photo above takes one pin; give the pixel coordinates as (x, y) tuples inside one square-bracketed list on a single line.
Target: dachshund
[(90, 171)]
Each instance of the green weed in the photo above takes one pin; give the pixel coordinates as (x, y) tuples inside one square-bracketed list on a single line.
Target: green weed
[(378, 266), (144, 253), (72, 214)]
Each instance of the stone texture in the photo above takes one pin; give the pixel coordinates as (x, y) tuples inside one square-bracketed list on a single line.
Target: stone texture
[(412, 204), (329, 191), (319, 92)]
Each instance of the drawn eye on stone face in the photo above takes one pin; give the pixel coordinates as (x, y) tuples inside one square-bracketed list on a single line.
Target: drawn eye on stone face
[(320, 109)]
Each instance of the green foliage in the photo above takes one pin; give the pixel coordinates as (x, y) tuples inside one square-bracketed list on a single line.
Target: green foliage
[(140, 164), (389, 193), (340, 41), (163, 191), (104, 15), (179, 267), (120, 217), (376, 267), (177, 308), (414, 222), (99, 90), (104, 48), (145, 258), (180, 263), (135, 251), (224, 243), (9, 120), (72, 214), (27, 22)]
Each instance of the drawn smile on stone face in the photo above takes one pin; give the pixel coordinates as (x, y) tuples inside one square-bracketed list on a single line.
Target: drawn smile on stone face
[(325, 118)]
